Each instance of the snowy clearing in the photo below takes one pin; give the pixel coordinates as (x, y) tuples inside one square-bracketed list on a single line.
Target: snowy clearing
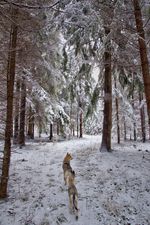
[(114, 188)]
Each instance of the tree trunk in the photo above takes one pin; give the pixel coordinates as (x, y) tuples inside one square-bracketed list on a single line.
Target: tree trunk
[(31, 124), (58, 124), (40, 126), (143, 54), (51, 132), (142, 115), (117, 117), (73, 131), (125, 130), (81, 124), (77, 124), (107, 121), (71, 123), (81, 121), (22, 114), (117, 114), (134, 131), (134, 123), (10, 89), (16, 120)]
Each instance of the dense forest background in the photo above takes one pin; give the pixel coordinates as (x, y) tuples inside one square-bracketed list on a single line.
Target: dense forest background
[(71, 67)]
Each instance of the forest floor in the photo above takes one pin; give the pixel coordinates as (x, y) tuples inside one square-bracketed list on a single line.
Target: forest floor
[(114, 188)]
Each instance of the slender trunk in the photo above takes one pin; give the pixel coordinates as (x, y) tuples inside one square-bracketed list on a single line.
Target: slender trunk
[(81, 120), (33, 127), (51, 132), (125, 130), (134, 131), (134, 123), (31, 124), (117, 117), (22, 114), (16, 120), (77, 124), (107, 121), (130, 135), (117, 114), (9, 117), (73, 131), (81, 124), (142, 115), (143, 54), (58, 127), (40, 126), (71, 125)]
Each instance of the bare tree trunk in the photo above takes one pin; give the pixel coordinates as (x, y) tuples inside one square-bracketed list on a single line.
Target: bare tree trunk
[(73, 131), (16, 121), (117, 117), (22, 114), (51, 132), (10, 89), (58, 124), (31, 124), (134, 123), (143, 54), (81, 124), (125, 130), (77, 124), (117, 114), (107, 121), (142, 115), (40, 126), (134, 131), (71, 123), (81, 121)]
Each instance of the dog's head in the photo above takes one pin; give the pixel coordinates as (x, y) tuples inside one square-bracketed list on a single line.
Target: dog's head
[(69, 156)]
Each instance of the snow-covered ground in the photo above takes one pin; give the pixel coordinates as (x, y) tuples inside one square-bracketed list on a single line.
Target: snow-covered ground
[(114, 188)]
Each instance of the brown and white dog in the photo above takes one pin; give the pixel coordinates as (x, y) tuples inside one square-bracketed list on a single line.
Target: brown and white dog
[(68, 172), (73, 196)]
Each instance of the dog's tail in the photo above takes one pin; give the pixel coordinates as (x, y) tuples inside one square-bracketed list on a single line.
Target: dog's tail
[(75, 205)]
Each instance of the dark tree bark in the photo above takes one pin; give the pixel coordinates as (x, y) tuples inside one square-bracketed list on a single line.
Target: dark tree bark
[(22, 114), (40, 126), (107, 121), (125, 130), (73, 131), (10, 92), (81, 120), (30, 132), (16, 120), (143, 54), (77, 124), (51, 132), (142, 115), (117, 114), (71, 116), (134, 123), (58, 127), (81, 124)]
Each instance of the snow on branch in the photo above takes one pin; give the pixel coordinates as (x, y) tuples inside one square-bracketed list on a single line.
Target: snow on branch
[(31, 6)]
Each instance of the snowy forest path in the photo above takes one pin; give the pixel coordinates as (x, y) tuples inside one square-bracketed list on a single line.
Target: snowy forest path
[(112, 186)]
